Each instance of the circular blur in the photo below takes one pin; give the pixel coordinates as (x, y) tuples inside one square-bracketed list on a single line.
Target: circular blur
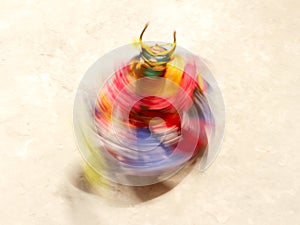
[(137, 130)]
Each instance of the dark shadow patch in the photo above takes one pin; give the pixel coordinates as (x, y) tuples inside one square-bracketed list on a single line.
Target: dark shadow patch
[(118, 195)]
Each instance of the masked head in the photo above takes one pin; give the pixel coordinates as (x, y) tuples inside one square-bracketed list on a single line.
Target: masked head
[(155, 58)]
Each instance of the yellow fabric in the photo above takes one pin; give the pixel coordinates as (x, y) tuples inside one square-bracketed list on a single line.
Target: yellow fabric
[(201, 82), (175, 69)]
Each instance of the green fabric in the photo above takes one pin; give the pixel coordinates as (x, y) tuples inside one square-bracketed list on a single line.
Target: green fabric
[(152, 73)]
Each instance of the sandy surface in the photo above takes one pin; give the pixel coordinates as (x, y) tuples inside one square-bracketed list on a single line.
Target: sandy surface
[(45, 48)]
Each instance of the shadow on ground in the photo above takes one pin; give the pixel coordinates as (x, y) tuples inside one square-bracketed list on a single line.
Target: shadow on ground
[(121, 195)]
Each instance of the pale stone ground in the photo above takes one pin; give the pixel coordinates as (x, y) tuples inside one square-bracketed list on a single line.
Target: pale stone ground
[(45, 48)]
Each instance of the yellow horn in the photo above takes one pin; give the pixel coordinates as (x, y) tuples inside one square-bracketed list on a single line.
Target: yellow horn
[(141, 36)]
